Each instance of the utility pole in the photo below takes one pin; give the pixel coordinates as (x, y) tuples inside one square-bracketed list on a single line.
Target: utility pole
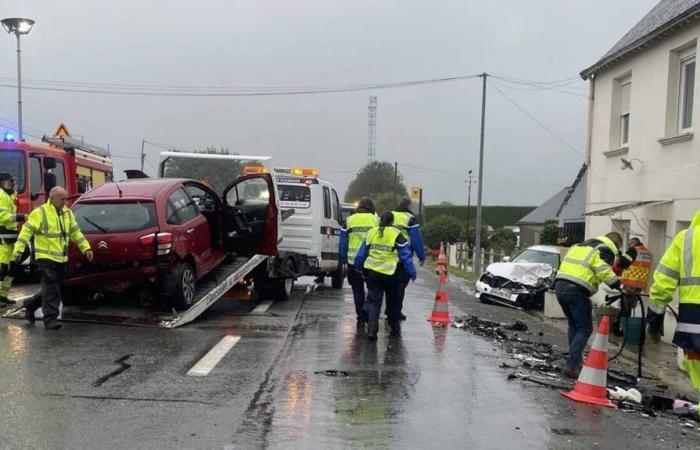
[(143, 154), (477, 232), (469, 202), (396, 174)]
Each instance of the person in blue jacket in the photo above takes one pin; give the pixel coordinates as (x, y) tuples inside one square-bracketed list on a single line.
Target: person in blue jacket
[(351, 237), (407, 223), (379, 257)]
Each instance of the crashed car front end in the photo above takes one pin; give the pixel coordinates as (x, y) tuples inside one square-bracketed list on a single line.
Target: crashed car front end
[(521, 285)]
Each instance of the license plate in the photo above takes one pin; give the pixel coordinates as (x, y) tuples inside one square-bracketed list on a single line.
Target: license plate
[(503, 294)]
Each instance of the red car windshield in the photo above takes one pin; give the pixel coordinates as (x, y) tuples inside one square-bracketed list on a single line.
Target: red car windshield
[(115, 217)]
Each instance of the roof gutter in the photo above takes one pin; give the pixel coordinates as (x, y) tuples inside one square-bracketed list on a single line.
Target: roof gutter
[(670, 26)]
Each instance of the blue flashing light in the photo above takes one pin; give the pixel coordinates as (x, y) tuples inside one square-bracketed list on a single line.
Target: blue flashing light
[(8, 137)]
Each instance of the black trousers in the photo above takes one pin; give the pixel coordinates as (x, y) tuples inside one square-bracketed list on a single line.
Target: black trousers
[(53, 276), (404, 280), (378, 284), (358, 292)]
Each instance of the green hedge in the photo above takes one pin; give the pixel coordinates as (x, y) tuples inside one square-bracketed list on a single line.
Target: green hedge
[(496, 216)]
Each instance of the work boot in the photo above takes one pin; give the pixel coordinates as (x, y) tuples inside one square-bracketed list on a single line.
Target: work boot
[(395, 331), (53, 325), (571, 372), (7, 301), (29, 314), (372, 337), (402, 316)]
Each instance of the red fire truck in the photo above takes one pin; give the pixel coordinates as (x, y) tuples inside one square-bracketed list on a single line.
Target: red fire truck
[(59, 161)]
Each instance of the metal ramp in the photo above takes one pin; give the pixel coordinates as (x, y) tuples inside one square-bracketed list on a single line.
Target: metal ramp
[(210, 289)]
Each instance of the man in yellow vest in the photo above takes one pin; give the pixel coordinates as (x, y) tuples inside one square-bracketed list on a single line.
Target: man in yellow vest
[(409, 227), (583, 268), (53, 227), (8, 235), (351, 237), (637, 260), (679, 268), (379, 256)]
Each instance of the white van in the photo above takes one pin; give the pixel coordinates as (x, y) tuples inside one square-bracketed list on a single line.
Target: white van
[(310, 236)]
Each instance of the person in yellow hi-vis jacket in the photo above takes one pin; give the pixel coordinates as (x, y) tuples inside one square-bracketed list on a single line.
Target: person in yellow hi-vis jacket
[(679, 268), (53, 227), (8, 235)]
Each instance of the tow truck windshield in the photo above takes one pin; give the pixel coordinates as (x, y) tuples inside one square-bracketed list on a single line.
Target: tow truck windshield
[(13, 162)]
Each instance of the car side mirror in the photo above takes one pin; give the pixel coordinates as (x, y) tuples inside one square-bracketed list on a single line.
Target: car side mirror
[(49, 162), (506, 258), (49, 181)]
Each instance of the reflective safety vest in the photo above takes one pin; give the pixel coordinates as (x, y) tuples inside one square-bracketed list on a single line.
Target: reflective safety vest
[(51, 233), (8, 218), (583, 266), (358, 226), (401, 221), (382, 256), (680, 268), (637, 274)]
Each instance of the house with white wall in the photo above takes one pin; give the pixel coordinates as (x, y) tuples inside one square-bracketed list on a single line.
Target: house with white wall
[(643, 155)]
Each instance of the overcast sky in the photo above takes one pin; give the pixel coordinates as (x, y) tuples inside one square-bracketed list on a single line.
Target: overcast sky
[(328, 42)]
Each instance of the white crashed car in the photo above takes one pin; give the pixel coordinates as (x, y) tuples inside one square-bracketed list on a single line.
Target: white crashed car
[(521, 281)]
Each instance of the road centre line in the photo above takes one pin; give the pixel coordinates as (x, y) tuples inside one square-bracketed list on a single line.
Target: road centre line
[(262, 307), (205, 365)]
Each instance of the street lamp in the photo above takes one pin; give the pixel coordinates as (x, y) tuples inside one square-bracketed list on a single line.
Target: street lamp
[(18, 26)]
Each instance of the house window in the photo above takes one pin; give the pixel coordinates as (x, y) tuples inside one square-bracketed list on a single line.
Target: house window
[(685, 94), (625, 89)]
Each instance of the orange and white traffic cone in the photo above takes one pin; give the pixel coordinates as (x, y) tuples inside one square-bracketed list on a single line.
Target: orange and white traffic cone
[(441, 312), (592, 383), (441, 261)]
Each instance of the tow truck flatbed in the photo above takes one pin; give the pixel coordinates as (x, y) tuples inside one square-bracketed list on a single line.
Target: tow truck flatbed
[(210, 289)]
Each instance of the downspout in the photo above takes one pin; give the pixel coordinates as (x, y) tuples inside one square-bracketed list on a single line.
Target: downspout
[(589, 129), (589, 147)]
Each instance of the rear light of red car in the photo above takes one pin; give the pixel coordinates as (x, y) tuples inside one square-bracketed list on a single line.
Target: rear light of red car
[(164, 241)]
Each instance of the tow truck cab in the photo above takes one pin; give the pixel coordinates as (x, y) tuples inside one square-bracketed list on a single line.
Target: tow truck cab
[(312, 232)]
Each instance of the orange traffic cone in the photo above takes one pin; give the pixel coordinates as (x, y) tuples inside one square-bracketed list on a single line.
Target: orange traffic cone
[(440, 312), (593, 380), (441, 261)]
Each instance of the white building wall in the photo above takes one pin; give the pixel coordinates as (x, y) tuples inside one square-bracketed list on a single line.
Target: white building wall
[(661, 172)]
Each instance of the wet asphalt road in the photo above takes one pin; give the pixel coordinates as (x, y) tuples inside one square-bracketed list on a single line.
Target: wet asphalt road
[(301, 376)]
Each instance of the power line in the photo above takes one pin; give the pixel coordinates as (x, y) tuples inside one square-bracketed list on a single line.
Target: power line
[(539, 89), (242, 93), (534, 119)]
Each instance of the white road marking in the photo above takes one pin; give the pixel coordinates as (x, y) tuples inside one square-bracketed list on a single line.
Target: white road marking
[(262, 307), (215, 355)]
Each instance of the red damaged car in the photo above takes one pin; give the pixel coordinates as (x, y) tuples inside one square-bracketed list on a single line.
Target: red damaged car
[(160, 236)]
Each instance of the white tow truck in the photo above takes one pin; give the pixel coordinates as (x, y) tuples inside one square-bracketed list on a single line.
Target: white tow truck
[(311, 235)]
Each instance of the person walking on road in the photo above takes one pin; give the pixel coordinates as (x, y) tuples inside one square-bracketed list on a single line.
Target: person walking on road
[(407, 223), (580, 273), (53, 227), (8, 235), (379, 256), (351, 237), (679, 268)]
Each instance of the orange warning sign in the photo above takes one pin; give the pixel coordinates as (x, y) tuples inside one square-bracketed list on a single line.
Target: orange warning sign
[(62, 131)]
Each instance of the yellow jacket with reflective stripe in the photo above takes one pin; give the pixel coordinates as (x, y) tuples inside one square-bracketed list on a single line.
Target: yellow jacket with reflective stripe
[(679, 268), (383, 256), (52, 233), (358, 226), (401, 221), (584, 266), (8, 218)]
